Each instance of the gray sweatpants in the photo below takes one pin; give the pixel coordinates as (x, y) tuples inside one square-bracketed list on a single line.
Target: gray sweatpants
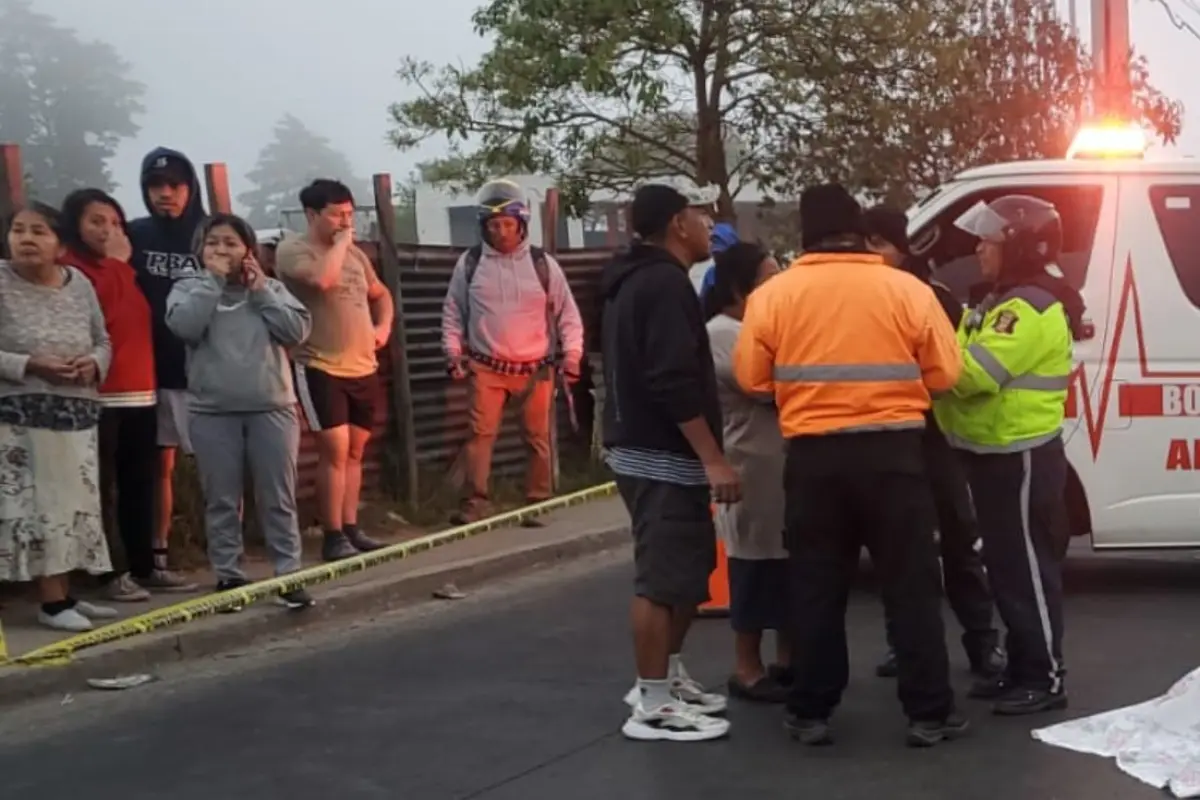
[(270, 441)]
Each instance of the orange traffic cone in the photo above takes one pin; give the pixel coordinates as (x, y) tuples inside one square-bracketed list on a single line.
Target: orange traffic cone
[(718, 586)]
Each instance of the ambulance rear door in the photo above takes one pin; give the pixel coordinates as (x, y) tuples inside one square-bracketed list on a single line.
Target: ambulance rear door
[(1141, 477)]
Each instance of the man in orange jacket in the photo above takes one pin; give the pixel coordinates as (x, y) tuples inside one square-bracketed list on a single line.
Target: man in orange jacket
[(850, 349)]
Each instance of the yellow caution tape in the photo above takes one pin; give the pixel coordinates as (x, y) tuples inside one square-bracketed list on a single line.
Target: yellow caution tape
[(60, 652)]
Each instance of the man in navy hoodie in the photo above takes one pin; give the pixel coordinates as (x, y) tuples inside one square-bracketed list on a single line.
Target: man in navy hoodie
[(162, 254)]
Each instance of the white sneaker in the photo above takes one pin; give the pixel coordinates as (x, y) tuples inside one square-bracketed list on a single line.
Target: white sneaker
[(70, 620), (689, 692), (674, 723), (95, 612), (124, 589)]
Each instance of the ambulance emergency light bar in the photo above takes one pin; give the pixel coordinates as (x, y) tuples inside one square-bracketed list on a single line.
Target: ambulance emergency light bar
[(1109, 140)]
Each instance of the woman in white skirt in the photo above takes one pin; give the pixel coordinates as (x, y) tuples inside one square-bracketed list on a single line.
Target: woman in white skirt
[(751, 530), (54, 352)]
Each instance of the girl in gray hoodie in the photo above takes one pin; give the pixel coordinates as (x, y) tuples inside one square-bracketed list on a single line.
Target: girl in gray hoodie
[(238, 325)]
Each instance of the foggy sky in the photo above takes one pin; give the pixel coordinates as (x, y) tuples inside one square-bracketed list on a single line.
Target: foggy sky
[(218, 75)]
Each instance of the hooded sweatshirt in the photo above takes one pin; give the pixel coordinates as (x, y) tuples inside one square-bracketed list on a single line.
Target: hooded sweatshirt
[(658, 367), (503, 315), (723, 237), (163, 254), (237, 343), (950, 304)]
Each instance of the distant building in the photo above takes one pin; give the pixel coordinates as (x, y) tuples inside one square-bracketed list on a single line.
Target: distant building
[(449, 218)]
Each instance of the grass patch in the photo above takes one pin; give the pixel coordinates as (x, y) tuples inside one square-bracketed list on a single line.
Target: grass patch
[(438, 501), (440, 498)]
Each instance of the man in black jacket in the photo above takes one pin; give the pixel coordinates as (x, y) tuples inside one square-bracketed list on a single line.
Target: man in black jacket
[(962, 567), (662, 435)]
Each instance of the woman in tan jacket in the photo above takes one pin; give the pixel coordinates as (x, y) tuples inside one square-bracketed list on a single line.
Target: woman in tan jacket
[(752, 530)]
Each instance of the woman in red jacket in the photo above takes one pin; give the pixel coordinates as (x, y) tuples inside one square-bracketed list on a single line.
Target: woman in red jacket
[(96, 244)]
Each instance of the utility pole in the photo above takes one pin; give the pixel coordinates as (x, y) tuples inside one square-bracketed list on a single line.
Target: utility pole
[(1111, 53), (1073, 18)]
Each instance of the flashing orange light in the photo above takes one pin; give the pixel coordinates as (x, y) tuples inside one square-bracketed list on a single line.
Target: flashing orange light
[(1112, 140)]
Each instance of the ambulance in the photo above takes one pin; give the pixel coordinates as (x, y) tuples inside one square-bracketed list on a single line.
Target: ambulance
[(1131, 245)]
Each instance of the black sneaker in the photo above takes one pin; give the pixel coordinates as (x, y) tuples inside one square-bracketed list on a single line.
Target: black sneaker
[(809, 732), (991, 687), (225, 586), (337, 547), (927, 733), (1019, 702), (888, 668), (360, 541), (296, 600)]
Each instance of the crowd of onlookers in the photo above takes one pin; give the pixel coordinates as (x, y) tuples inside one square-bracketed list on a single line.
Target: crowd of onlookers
[(124, 342)]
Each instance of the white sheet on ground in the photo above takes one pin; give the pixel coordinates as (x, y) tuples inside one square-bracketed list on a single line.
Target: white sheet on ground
[(1157, 742)]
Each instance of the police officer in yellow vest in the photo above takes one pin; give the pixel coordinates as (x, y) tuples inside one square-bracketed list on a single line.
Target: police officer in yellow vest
[(1006, 414)]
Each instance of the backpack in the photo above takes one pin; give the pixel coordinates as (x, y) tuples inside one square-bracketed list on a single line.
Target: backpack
[(541, 267)]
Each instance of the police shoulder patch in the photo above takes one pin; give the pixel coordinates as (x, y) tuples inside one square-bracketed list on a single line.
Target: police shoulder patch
[(1005, 322)]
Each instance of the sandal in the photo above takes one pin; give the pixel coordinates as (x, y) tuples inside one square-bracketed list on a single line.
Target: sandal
[(763, 690)]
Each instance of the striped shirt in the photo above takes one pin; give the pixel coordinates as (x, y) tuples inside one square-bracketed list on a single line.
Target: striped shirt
[(656, 465)]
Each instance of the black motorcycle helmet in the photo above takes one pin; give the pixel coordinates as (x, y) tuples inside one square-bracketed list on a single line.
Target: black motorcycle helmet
[(1030, 231), (1029, 228)]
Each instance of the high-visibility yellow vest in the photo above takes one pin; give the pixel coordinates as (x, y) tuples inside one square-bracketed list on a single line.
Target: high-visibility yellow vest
[(1017, 360)]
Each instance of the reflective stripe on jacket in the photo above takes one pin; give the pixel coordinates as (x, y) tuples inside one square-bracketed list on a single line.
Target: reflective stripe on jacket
[(1017, 357), (845, 343)]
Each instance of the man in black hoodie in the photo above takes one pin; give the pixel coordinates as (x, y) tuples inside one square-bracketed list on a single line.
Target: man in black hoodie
[(662, 432), (962, 567), (162, 254)]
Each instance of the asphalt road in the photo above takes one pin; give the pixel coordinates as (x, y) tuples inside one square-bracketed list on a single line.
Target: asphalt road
[(515, 694)]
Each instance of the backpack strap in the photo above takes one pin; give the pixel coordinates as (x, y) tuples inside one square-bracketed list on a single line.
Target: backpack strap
[(542, 267), (471, 264)]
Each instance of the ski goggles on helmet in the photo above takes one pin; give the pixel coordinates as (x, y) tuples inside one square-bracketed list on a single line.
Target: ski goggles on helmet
[(517, 209)]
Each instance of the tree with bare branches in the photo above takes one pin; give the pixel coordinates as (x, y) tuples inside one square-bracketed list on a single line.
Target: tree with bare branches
[(888, 97), (602, 93)]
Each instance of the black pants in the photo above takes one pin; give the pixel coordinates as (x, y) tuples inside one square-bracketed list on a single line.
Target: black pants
[(963, 575), (879, 498), (1022, 513), (129, 470)]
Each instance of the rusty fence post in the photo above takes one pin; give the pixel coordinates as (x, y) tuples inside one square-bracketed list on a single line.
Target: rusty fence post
[(216, 181), (12, 189), (550, 212), (405, 477)]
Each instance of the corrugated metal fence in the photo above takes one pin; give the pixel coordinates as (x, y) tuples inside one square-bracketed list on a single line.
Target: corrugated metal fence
[(440, 405)]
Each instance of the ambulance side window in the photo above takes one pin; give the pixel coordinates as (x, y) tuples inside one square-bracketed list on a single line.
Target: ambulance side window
[(1177, 211), (953, 255)]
